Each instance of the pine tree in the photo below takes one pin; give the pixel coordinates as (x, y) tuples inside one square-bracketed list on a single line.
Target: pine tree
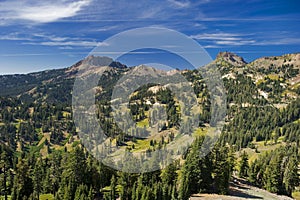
[(76, 167), (113, 187), (55, 172), (243, 165), (169, 174), (37, 179), (252, 173), (22, 181), (291, 177), (91, 195), (184, 190), (4, 173), (272, 176)]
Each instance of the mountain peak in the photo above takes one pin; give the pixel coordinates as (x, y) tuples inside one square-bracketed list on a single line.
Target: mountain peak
[(231, 58), (103, 61), (97, 61)]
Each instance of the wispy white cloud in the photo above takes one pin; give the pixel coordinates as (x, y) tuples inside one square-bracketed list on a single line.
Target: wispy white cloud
[(52, 40), (72, 43), (50, 37), (68, 43), (180, 4), (217, 36), (15, 36), (39, 11), (280, 41), (236, 42), (149, 13), (26, 54), (212, 46), (66, 48), (106, 28), (217, 39)]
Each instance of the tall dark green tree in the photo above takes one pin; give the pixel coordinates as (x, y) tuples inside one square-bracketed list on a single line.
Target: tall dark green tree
[(22, 182), (291, 176), (37, 179), (243, 165), (4, 173), (113, 187)]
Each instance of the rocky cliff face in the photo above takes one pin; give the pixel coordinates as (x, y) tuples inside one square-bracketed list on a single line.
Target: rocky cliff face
[(230, 58)]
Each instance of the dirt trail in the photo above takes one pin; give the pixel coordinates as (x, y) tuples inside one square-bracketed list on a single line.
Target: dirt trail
[(240, 189)]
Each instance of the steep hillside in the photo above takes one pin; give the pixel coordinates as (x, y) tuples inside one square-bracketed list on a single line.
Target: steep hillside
[(259, 141)]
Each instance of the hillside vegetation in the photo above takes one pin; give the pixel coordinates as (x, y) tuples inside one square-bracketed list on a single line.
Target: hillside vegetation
[(42, 156)]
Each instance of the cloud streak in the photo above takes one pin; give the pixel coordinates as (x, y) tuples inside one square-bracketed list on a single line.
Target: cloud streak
[(72, 43), (39, 11), (180, 4), (217, 39), (52, 40)]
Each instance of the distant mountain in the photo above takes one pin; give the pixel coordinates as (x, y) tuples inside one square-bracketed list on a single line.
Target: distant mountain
[(34, 86), (230, 58)]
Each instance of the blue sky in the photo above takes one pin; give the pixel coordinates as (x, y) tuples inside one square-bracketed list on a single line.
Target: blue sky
[(37, 35)]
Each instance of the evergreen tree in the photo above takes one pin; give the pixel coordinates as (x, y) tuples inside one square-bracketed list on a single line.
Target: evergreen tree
[(22, 181), (243, 165), (272, 176), (37, 179), (4, 173), (291, 177), (113, 187)]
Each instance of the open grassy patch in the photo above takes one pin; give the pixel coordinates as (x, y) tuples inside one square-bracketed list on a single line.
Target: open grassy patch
[(199, 132), (139, 145), (8, 197), (273, 77), (260, 81), (34, 149), (46, 136), (143, 123), (66, 114), (295, 86), (108, 189), (46, 197), (262, 148), (297, 121), (296, 195)]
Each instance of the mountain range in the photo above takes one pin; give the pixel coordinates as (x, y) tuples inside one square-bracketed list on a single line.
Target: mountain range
[(284, 69), (259, 141)]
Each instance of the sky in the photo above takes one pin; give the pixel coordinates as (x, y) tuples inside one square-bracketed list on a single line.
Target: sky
[(38, 35)]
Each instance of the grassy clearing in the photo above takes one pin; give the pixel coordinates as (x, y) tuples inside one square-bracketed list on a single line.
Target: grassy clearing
[(46, 136), (199, 132), (260, 81), (8, 197), (140, 145), (297, 121), (35, 149), (144, 144), (143, 123), (66, 114), (274, 77), (46, 197), (262, 148), (108, 189), (296, 195), (295, 86)]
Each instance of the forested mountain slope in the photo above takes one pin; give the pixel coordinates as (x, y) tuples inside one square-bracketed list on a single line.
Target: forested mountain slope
[(41, 152)]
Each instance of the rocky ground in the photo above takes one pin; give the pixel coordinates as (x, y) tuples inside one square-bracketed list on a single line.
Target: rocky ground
[(240, 189)]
